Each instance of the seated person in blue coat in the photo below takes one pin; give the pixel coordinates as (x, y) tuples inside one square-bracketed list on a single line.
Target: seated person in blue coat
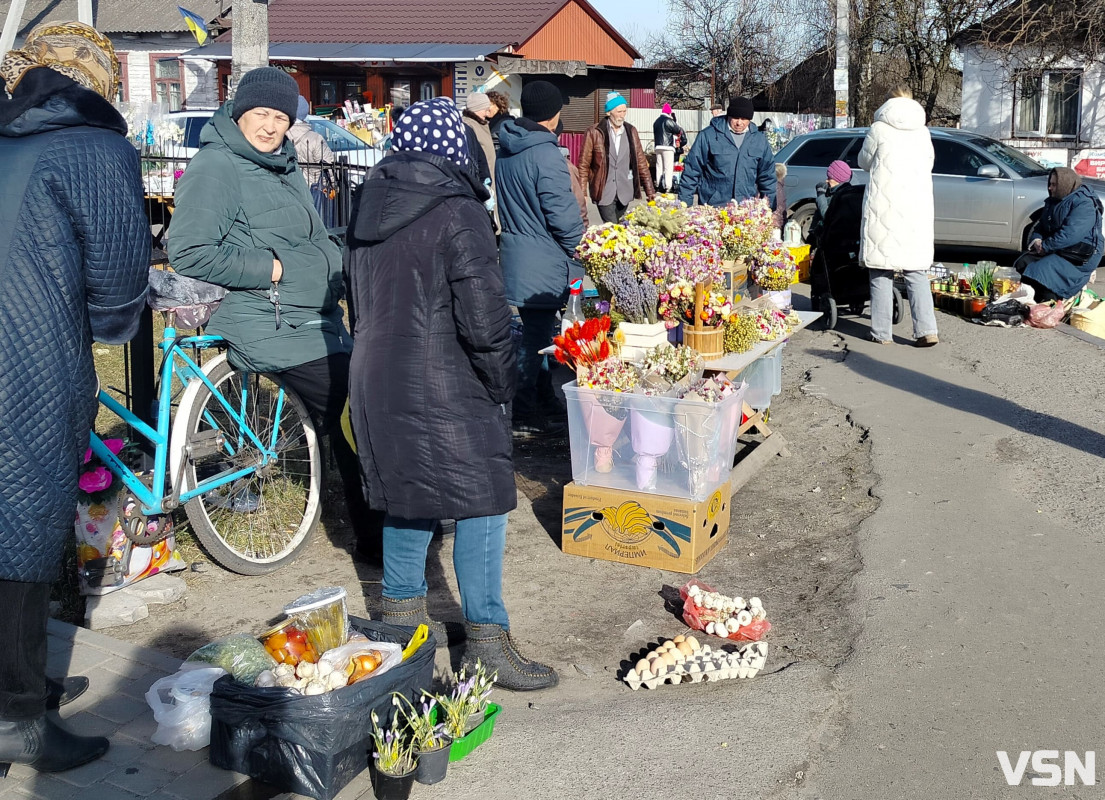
[(1065, 246)]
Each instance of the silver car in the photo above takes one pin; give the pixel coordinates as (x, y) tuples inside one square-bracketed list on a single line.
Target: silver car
[(987, 194)]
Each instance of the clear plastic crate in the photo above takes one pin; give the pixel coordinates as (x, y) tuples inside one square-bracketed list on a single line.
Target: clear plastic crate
[(657, 445)]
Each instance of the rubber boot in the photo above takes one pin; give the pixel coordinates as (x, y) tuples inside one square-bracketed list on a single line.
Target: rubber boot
[(44, 746), (64, 691), (411, 613), (493, 646)]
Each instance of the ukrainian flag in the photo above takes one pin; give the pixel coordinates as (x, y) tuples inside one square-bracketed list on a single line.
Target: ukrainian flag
[(196, 24)]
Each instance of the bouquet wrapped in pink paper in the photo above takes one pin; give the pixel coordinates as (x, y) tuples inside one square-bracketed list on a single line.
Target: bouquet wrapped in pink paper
[(604, 417), (651, 434)]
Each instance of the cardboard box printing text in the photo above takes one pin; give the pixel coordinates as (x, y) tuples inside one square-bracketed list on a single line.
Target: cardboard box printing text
[(645, 530)]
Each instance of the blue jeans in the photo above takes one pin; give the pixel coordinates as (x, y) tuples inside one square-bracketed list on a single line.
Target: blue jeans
[(538, 329), (882, 304), (477, 558)]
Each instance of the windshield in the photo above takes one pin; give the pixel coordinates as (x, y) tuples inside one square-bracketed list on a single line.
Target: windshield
[(337, 137), (1010, 157)]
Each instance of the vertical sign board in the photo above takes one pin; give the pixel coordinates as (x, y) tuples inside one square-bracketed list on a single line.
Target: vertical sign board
[(471, 76)]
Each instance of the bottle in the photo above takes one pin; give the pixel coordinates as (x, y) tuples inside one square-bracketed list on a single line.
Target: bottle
[(574, 312)]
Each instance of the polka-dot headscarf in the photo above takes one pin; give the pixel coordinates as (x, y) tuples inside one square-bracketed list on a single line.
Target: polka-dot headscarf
[(433, 126)]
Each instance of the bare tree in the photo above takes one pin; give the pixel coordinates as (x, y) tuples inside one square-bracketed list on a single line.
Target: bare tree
[(731, 46)]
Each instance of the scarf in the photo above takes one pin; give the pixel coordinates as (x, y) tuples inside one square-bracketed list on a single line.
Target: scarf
[(77, 51), (1067, 181), (433, 126)]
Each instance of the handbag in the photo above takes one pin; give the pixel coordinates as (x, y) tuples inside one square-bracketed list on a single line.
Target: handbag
[(1077, 254)]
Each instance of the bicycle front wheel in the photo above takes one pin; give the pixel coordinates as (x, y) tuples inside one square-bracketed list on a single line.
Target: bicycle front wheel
[(262, 520)]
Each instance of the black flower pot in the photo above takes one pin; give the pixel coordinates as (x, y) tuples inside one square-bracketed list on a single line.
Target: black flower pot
[(392, 787), (432, 765)]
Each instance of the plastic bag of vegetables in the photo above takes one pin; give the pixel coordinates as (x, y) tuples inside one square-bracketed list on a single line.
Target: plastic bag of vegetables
[(239, 654)]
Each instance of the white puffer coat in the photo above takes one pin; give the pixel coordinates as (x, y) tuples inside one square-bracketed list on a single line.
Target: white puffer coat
[(897, 231)]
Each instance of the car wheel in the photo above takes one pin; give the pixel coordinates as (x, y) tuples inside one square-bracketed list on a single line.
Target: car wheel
[(804, 216)]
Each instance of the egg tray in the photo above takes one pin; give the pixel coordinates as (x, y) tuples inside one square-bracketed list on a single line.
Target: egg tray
[(709, 665)]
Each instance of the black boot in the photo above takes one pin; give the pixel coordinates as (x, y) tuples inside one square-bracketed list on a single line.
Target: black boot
[(411, 613), (43, 745), (59, 693), (493, 646)]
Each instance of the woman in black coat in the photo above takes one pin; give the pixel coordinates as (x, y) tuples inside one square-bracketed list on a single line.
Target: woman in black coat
[(432, 378)]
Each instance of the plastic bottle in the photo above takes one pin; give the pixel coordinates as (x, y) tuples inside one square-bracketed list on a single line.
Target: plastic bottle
[(574, 313)]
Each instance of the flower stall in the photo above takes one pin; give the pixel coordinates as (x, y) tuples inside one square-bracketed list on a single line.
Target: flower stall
[(693, 310)]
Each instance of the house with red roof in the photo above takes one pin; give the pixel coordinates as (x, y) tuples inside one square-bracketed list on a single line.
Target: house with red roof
[(402, 51)]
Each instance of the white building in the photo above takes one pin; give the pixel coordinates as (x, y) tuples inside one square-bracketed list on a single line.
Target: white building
[(149, 36), (1055, 113)]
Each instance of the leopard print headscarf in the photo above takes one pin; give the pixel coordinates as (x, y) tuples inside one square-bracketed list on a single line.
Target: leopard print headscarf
[(76, 50)]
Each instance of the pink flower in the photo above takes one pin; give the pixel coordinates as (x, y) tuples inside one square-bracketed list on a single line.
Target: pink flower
[(95, 480)]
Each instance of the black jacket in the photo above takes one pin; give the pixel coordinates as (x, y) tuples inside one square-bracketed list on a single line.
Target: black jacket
[(432, 374), (74, 255), (665, 130)]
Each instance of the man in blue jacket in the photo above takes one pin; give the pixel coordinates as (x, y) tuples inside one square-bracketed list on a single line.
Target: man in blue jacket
[(541, 230), (730, 160)]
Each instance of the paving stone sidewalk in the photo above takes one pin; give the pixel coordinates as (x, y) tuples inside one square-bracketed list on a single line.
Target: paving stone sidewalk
[(114, 706)]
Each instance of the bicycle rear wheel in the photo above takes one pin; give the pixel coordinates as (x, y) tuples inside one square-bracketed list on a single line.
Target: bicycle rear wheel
[(262, 521)]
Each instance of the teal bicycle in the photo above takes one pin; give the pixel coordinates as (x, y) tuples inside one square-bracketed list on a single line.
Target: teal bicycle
[(237, 450)]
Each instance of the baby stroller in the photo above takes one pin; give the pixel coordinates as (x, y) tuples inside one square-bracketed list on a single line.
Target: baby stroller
[(836, 276)]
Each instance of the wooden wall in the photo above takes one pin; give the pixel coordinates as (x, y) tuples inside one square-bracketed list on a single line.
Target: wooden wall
[(573, 34)]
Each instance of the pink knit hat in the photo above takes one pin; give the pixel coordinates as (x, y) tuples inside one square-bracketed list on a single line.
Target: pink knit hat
[(839, 171), (666, 109)]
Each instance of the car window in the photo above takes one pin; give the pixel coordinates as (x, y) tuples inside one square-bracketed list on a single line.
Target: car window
[(1011, 157), (192, 128), (953, 158), (338, 139), (818, 151), (851, 155)]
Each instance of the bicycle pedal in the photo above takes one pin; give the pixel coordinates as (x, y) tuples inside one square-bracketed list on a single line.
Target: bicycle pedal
[(205, 443)]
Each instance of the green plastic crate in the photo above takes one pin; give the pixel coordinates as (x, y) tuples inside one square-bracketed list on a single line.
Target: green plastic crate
[(477, 736)]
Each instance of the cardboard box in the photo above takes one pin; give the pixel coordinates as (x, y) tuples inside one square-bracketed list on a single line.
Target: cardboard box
[(646, 530)]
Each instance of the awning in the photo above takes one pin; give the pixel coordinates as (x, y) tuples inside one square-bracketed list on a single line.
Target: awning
[(294, 51)]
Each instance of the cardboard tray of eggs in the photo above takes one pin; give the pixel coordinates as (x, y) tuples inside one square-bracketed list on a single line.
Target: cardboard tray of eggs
[(684, 660)]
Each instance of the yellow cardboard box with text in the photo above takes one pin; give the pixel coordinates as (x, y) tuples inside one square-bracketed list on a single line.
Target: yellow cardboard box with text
[(647, 530)]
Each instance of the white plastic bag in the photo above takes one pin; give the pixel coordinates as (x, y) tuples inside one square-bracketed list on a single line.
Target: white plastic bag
[(339, 657), (181, 705)]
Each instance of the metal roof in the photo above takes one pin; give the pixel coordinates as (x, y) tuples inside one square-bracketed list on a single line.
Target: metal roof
[(306, 51), (118, 16)]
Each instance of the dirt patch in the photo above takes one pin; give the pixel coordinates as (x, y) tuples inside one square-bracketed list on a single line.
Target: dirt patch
[(791, 542)]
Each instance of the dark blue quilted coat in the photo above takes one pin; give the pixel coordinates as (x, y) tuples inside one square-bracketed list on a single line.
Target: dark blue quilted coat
[(74, 253)]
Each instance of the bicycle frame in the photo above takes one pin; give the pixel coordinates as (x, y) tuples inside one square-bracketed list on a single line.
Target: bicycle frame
[(178, 364)]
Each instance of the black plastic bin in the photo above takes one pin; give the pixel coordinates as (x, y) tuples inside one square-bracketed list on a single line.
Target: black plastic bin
[(312, 745)]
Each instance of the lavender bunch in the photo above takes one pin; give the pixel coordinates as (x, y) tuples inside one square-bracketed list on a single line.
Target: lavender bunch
[(634, 298)]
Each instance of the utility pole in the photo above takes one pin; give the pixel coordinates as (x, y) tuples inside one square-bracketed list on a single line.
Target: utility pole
[(840, 73), (11, 25), (84, 11), (250, 39)]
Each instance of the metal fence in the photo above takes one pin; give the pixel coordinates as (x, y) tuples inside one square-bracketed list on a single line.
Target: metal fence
[(333, 191)]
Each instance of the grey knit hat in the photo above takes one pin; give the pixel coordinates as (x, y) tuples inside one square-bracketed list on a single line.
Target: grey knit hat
[(266, 87)]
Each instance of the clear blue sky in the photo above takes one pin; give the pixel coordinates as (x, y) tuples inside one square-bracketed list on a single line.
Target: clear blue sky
[(634, 19)]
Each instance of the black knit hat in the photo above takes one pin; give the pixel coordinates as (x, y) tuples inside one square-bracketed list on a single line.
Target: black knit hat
[(740, 108), (266, 87), (540, 101)]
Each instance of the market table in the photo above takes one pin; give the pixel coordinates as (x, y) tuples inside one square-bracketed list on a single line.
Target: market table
[(773, 443)]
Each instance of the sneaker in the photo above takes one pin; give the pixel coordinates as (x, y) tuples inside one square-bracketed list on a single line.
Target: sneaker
[(927, 341), (881, 341), (538, 428)]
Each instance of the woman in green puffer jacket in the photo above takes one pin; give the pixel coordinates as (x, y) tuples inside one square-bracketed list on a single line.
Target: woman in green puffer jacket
[(245, 220)]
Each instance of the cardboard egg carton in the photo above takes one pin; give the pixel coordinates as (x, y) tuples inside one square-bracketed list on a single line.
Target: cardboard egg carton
[(708, 664)]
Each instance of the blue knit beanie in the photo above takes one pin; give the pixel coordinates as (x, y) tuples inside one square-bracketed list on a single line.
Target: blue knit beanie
[(613, 100)]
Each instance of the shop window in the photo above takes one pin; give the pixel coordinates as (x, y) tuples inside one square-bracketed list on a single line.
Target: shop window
[(1048, 104), (168, 81), (335, 91), (401, 92)]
